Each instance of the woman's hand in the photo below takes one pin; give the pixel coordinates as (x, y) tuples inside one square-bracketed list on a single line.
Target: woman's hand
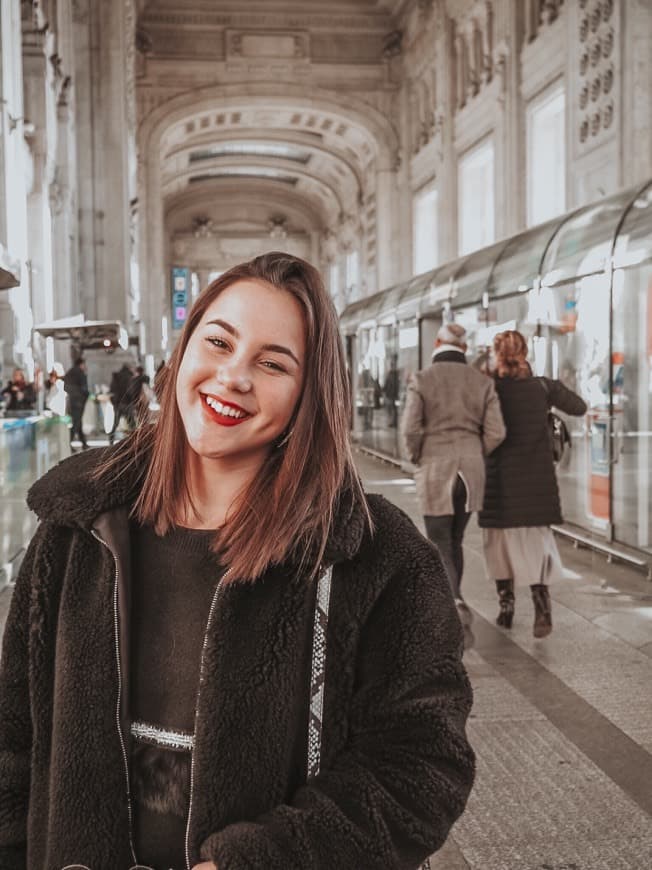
[(205, 865)]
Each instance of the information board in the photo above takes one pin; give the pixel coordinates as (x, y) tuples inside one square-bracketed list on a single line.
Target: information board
[(180, 296)]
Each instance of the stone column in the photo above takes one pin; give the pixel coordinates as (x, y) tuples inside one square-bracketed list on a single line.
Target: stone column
[(64, 209), (40, 108), (15, 307), (388, 237), (104, 164), (447, 58)]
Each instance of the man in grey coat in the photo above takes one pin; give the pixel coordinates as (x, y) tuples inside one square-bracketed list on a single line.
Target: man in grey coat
[(452, 420)]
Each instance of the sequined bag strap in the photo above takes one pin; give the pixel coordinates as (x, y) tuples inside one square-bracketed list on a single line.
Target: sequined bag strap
[(317, 677), (318, 671)]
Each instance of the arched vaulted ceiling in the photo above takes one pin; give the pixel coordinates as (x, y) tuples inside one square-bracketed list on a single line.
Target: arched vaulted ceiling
[(311, 152), (239, 139), (320, 154)]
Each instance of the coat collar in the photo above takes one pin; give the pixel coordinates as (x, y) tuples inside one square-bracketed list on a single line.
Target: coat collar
[(68, 496), (448, 353)]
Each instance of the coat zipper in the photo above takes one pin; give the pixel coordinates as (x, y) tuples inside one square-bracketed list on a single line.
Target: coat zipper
[(218, 589), (116, 626)]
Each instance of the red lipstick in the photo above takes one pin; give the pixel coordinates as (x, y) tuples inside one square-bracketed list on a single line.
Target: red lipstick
[(211, 407)]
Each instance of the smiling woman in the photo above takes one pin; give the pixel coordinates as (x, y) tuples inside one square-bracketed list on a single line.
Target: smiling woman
[(219, 648), (242, 367)]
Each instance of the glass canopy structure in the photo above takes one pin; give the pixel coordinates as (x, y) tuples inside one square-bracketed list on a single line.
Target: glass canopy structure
[(579, 287)]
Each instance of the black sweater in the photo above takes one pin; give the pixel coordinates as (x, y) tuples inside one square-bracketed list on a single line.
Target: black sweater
[(174, 582)]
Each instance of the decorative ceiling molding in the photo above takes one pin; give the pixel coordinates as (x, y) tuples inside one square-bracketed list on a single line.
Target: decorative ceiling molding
[(344, 165), (221, 199), (266, 18)]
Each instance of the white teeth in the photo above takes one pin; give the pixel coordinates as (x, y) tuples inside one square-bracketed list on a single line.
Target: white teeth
[(224, 410)]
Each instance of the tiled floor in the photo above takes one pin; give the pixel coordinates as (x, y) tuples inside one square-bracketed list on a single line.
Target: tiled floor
[(562, 727)]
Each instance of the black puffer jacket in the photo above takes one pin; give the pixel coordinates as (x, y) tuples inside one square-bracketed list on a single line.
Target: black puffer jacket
[(396, 767), (521, 487)]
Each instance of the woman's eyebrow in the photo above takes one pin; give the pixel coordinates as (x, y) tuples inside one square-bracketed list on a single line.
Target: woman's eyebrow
[(223, 323), (279, 348), (275, 348)]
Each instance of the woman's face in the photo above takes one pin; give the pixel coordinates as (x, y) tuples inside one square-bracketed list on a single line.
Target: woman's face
[(242, 372)]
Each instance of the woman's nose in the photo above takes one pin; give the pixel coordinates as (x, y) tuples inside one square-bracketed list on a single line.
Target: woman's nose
[(234, 377)]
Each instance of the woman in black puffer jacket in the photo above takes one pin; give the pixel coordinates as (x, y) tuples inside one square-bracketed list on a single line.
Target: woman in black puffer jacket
[(521, 499)]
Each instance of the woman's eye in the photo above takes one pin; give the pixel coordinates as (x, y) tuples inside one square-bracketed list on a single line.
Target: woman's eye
[(216, 341), (274, 366)]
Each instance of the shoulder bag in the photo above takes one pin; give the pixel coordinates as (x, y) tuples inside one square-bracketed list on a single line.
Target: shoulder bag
[(558, 434)]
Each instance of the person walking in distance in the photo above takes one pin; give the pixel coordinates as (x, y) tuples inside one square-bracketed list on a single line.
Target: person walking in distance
[(521, 499), (452, 420), (75, 384), (120, 381)]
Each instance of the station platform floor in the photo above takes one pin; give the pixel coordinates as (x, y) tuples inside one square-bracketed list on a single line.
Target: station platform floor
[(562, 727)]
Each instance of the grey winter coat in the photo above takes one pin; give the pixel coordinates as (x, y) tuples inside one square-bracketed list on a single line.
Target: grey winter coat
[(396, 767), (452, 420)]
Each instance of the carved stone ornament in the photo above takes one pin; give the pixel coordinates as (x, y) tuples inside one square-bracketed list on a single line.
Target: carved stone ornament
[(277, 227), (329, 246), (349, 231), (33, 15), (393, 44), (80, 11), (143, 41), (180, 248), (63, 98), (203, 227), (56, 195)]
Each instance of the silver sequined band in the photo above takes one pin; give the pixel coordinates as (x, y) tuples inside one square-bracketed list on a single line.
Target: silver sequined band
[(161, 736), (318, 672)]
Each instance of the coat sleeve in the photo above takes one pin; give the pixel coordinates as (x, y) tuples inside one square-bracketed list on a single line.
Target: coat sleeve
[(413, 420), (15, 719), (493, 425), (565, 400), (389, 799)]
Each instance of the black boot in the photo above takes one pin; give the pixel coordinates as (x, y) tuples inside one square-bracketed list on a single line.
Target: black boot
[(542, 613), (506, 600)]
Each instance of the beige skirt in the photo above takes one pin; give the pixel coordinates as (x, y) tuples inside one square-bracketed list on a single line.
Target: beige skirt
[(527, 554)]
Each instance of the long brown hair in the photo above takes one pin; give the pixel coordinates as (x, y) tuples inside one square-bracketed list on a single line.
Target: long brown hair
[(510, 349), (288, 508)]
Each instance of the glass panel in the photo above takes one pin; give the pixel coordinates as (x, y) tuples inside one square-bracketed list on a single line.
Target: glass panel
[(438, 289), (517, 265), (408, 363), (387, 309), (583, 244), (634, 242), (570, 341), (472, 275), (482, 324), (359, 312), (377, 389), (632, 405), (412, 299)]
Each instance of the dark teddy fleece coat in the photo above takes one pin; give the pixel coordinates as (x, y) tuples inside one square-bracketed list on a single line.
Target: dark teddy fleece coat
[(396, 765)]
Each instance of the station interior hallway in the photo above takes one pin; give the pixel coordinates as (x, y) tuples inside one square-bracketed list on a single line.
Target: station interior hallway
[(562, 727)]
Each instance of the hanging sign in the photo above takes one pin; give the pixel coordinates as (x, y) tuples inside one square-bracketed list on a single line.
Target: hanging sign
[(180, 296)]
